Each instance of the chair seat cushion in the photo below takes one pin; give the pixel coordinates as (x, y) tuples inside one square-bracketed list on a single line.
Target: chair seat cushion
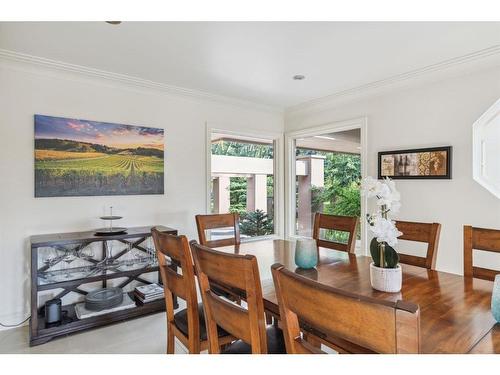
[(275, 343), (181, 322)]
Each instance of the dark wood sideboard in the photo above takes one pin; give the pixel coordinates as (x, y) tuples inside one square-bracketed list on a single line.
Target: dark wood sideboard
[(87, 276)]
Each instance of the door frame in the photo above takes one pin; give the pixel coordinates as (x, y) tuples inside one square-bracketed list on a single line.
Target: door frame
[(331, 127)]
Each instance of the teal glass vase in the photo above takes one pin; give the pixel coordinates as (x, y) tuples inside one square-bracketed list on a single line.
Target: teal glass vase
[(306, 253), (495, 299)]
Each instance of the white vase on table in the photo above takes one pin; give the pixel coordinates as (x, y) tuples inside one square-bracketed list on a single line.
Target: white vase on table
[(386, 279)]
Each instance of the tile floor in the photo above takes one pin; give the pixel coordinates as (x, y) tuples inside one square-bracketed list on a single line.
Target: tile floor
[(145, 335)]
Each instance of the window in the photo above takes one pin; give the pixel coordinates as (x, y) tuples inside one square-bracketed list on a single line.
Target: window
[(242, 180), (486, 150)]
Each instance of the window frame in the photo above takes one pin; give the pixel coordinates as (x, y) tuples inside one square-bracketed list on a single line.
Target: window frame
[(278, 167)]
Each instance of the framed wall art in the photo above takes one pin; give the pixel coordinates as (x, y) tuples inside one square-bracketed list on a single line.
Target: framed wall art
[(89, 158), (422, 163)]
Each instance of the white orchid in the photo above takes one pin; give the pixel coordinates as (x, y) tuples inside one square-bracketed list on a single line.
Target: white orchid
[(388, 196), (370, 187), (385, 192), (394, 207), (388, 201), (384, 229)]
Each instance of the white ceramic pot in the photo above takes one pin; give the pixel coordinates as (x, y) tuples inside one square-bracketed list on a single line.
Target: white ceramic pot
[(386, 279)]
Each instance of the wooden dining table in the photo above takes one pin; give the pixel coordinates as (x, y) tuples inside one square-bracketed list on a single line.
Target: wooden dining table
[(455, 312)]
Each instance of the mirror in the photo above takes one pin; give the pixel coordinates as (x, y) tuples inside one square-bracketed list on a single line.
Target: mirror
[(486, 149)]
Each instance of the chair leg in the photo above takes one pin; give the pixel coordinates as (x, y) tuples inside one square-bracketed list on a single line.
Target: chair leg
[(194, 347), (170, 341)]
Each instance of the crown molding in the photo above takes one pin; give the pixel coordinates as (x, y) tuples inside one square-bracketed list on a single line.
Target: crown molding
[(133, 81), (315, 105), (434, 71)]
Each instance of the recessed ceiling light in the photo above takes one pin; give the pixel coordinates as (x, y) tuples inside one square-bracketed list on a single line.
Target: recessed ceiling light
[(114, 22), (325, 137), (299, 77)]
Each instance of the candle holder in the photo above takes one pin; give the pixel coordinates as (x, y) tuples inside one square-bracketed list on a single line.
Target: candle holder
[(110, 230)]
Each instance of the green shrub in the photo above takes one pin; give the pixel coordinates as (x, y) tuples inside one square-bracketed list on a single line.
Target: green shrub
[(256, 223)]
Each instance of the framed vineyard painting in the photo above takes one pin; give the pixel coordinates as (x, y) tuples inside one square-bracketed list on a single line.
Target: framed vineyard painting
[(422, 163), (89, 158)]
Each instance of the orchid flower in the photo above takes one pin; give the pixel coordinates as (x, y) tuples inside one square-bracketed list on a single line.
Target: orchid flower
[(388, 201), (384, 230)]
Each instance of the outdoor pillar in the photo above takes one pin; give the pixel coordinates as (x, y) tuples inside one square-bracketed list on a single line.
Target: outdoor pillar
[(257, 192), (221, 194), (314, 177)]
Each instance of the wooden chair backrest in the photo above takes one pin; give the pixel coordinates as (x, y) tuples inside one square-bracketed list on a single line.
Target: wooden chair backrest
[(339, 223), (420, 232), (238, 272), (182, 285), (207, 222), (377, 325), (480, 239)]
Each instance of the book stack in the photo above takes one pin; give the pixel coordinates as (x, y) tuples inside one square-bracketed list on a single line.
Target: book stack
[(148, 293)]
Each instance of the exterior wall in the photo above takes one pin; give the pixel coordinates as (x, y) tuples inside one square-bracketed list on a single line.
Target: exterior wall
[(314, 178), (257, 192)]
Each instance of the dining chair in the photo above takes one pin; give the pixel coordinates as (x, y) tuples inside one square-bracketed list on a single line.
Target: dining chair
[(381, 326), (217, 221), (338, 223), (480, 239), (239, 272), (420, 232), (188, 325)]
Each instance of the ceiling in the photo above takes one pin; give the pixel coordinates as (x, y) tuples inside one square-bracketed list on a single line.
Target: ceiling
[(253, 61), (348, 141)]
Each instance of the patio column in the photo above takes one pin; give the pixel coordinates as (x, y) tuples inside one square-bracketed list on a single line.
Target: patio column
[(221, 194), (313, 177), (257, 192)]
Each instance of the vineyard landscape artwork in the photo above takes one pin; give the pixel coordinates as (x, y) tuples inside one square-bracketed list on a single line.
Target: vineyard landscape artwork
[(89, 158)]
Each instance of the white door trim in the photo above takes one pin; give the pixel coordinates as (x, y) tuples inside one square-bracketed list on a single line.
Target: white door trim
[(290, 209)]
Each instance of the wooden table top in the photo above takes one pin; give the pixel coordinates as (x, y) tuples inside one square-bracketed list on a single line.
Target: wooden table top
[(455, 310)]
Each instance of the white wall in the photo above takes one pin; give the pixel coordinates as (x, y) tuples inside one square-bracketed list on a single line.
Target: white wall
[(26, 90), (433, 114)]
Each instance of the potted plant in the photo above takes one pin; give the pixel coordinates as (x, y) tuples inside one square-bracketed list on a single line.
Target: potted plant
[(385, 271)]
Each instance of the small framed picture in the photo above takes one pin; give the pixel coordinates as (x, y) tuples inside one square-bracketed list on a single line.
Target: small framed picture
[(422, 163)]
